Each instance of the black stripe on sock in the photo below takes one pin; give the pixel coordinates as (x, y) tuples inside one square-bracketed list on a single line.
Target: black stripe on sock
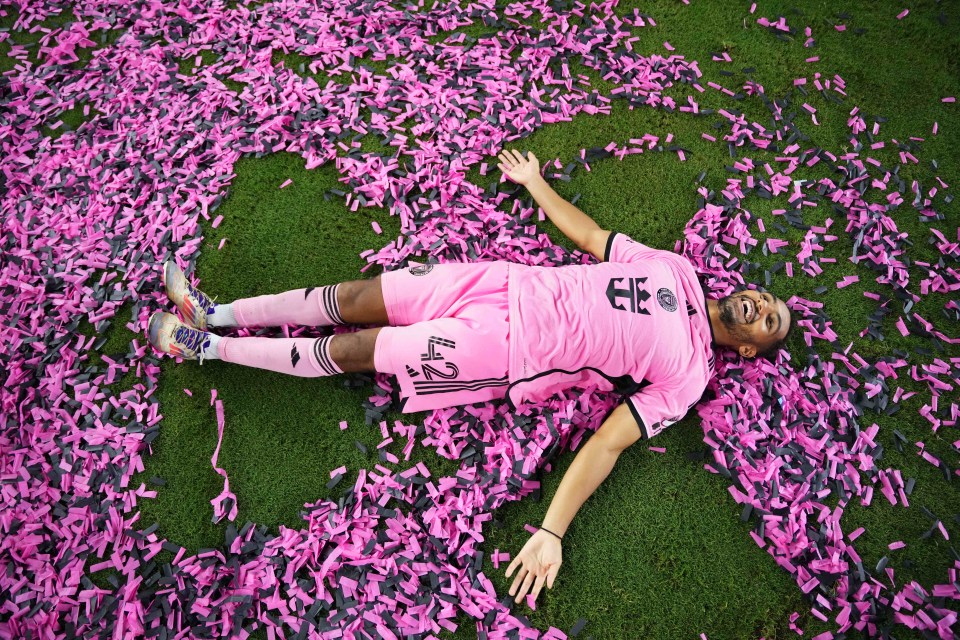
[(317, 354), (330, 304), (325, 353), (324, 361)]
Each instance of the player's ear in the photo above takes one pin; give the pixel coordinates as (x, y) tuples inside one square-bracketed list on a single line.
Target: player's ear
[(747, 350)]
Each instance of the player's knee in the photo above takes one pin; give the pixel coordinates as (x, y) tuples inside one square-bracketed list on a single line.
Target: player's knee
[(347, 294), (353, 352), (356, 296)]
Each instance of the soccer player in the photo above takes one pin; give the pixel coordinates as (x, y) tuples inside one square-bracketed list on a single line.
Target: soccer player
[(637, 323)]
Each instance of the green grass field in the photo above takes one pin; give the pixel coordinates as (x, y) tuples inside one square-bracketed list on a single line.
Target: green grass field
[(659, 551)]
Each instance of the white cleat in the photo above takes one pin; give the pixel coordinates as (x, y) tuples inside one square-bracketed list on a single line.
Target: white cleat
[(193, 304), (167, 334)]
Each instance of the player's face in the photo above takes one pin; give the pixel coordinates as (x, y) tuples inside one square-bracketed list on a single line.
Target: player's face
[(755, 319)]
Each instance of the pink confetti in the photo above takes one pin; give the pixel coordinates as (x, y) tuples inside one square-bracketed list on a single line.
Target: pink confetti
[(847, 281), (902, 327), (195, 130)]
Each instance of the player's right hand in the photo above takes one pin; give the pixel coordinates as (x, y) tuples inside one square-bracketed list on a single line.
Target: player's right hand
[(519, 169), (539, 561)]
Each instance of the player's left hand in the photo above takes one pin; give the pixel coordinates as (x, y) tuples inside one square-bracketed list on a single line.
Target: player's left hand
[(539, 562), (519, 169)]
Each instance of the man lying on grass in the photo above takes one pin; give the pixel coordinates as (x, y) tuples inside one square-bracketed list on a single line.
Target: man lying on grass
[(637, 323)]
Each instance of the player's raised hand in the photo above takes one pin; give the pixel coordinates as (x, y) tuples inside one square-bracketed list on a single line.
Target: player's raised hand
[(519, 169), (539, 561)]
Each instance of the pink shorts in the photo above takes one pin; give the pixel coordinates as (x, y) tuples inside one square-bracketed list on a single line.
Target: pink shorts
[(448, 339)]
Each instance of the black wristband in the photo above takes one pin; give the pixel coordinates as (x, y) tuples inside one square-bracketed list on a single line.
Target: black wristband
[(551, 533)]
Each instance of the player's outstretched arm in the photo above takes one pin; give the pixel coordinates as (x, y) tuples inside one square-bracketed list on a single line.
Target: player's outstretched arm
[(573, 222), (540, 559)]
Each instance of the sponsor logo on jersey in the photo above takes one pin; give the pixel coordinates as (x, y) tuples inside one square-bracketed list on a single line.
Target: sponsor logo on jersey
[(667, 300), (421, 270), (631, 291)]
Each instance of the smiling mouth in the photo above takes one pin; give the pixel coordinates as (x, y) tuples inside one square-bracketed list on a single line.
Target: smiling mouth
[(748, 309)]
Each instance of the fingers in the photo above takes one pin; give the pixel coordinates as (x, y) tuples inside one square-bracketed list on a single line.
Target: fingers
[(529, 581), (510, 158), (552, 574), (525, 587), (518, 581), (538, 585), (513, 565)]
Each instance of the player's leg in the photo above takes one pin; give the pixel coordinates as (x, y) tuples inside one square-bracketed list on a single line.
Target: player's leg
[(303, 357), (355, 302)]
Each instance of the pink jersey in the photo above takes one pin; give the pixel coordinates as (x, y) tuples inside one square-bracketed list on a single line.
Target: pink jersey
[(636, 323)]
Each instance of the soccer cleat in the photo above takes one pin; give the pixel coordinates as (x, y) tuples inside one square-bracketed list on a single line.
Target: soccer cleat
[(193, 304), (167, 334)]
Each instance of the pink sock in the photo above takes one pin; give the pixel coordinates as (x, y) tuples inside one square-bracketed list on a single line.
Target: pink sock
[(313, 307), (303, 357)]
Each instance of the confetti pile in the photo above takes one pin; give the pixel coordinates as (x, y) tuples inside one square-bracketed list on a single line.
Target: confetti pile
[(89, 216)]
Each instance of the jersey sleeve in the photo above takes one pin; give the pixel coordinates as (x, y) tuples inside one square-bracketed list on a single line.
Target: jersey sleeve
[(659, 405), (623, 248)]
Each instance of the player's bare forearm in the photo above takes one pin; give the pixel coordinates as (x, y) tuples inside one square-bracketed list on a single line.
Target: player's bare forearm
[(573, 222), (539, 560), (591, 467)]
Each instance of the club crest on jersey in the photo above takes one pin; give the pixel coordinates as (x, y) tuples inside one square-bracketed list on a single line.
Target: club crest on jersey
[(421, 270), (666, 299)]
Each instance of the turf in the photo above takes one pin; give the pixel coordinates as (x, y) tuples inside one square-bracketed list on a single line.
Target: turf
[(659, 550)]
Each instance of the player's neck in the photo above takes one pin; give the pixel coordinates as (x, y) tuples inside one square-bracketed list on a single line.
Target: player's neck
[(720, 334)]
